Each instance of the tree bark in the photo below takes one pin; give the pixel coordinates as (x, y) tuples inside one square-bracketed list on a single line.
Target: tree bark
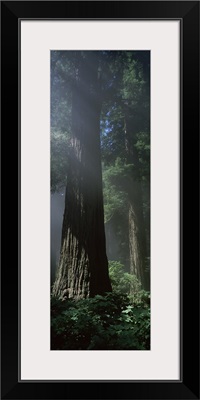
[(137, 234), (83, 266)]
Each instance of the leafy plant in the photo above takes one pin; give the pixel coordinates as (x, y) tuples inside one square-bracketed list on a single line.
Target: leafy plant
[(107, 322)]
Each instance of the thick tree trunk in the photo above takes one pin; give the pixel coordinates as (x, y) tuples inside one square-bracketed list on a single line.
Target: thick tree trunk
[(83, 266)]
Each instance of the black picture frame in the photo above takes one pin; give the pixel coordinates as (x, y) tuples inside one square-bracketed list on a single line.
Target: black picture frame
[(188, 386)]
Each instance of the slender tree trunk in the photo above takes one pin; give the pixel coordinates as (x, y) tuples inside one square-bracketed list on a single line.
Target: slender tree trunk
[(83, 266), (137, 235)]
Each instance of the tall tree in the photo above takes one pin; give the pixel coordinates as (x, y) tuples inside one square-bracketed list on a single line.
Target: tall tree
[(83, 265), (137, 235), (136, 117), (128, 124)]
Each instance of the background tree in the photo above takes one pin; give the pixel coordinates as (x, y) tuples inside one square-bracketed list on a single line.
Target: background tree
[(126, 141)]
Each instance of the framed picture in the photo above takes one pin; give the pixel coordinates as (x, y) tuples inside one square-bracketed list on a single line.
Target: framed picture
[(127, 72)]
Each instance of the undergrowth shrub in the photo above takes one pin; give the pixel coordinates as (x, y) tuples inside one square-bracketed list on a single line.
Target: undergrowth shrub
[(109, 322), (123, 282)]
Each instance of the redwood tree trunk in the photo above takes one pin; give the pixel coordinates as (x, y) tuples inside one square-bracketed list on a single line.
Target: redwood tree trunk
[(137, 234), (83, 266)]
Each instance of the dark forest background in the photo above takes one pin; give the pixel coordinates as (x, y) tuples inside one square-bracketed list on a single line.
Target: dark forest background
[(100, 200)]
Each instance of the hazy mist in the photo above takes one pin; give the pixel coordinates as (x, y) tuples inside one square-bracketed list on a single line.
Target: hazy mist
[(57, 210)]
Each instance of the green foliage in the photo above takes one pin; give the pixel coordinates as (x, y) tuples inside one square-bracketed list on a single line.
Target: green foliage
[(59, 158), (107, 322), (111, 322), (123, 282), (143, 148), (115, 197)]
